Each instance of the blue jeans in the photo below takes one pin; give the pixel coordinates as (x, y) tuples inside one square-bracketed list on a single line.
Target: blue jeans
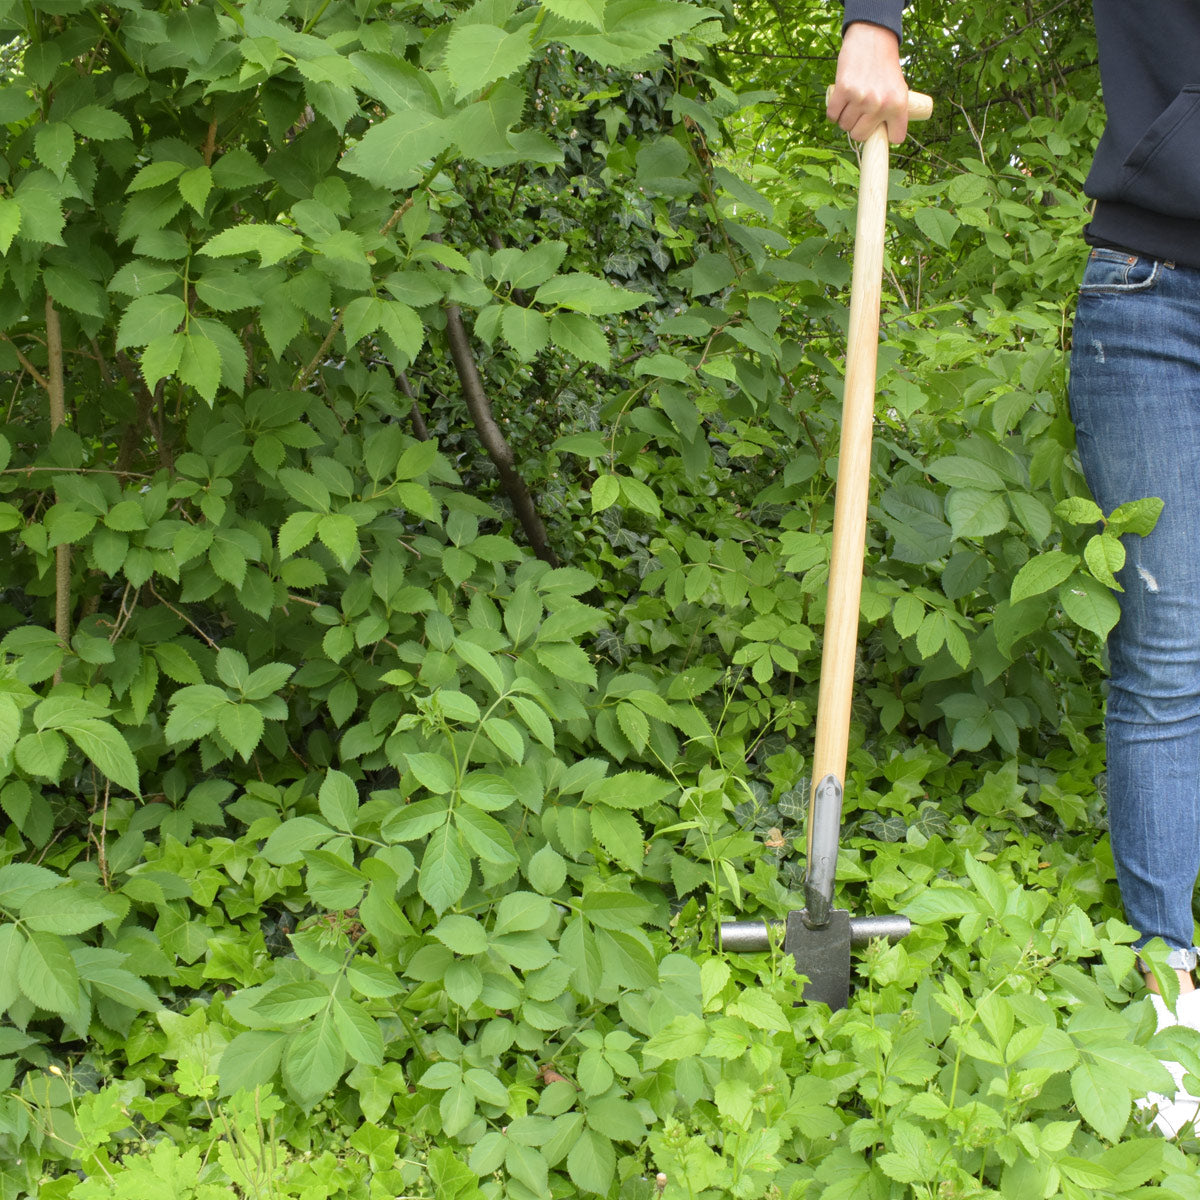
[(1135, 400)]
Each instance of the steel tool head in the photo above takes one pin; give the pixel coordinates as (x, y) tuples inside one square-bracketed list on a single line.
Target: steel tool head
[(823, 954)]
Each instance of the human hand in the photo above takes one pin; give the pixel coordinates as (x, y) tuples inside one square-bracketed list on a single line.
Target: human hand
[(869, 88)]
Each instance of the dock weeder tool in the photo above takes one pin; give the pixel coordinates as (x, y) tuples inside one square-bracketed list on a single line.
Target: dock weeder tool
[(820, 936)]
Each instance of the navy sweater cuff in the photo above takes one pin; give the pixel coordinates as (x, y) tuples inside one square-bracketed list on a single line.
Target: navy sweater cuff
[(877, 12)]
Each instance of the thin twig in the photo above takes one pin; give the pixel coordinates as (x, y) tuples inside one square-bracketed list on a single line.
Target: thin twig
[(182, 616)]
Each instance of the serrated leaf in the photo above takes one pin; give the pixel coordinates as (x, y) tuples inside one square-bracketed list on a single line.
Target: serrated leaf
[(1089, 604), (592, 1162), (148, 318), (251, 1060), (392, 153), (272, 243), (313, 1061), (108, 749), (338, 800), (54, 145), (581, 337), (937, 224), (46, 974), (445, 869), (586, 294), (479, 54), (1042, 573), (621, 835)]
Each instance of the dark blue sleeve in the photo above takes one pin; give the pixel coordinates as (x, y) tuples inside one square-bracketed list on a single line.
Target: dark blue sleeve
[(877, 12)]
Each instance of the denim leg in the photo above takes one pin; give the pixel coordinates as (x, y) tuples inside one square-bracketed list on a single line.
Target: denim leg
[(1135, 400)]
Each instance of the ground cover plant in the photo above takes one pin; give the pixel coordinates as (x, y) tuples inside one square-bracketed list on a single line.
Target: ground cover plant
[(417, 462)]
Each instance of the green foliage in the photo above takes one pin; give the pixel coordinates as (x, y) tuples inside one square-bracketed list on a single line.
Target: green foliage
[(354, 849)]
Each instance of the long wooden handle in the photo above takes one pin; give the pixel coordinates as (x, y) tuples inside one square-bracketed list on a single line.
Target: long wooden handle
[(854, 465)]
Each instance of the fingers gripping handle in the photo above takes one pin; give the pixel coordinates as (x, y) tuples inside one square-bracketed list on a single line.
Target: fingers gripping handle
[(920, 106)]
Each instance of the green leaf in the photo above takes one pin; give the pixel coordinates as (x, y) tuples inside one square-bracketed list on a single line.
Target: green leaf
[(10, 222), (12, 944), (54, 144), (338, 800), (1089, 604), (288, 843), (975, 513), (433, 771), (313, 1061), (109, 750), (445, 869), (393, 153), (46, 974), (592, 1162), (583, 12), (1079, 511), (485, 835), (937, 224), (477, 55), (272, 243), (251, 1060), (72, 290), (1104, 555), (621, 836), (340, 534), (462, 934), (70, 909), (1042, 573), (98, 123), (1103, 1100), (586, 294), (525, 330), (149, 318), (199, 364), (241, 725), (358, 1031), (581, 337), (606, 491), (521, 912)]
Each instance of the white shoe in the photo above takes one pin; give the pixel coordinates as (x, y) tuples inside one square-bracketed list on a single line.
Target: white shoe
[(1173, 1114)]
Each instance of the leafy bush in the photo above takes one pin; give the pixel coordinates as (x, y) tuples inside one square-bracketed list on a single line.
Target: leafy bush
[(418, 468)]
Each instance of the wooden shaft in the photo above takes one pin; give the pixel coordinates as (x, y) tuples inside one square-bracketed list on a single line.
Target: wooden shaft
[(854, 470)]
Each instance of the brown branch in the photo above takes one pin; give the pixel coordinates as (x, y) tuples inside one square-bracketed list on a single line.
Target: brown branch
[(210, 142), (420, 429), (57, 393), (302, 380), (150, 405), (38, 377), (493, 439), (182, 616)]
